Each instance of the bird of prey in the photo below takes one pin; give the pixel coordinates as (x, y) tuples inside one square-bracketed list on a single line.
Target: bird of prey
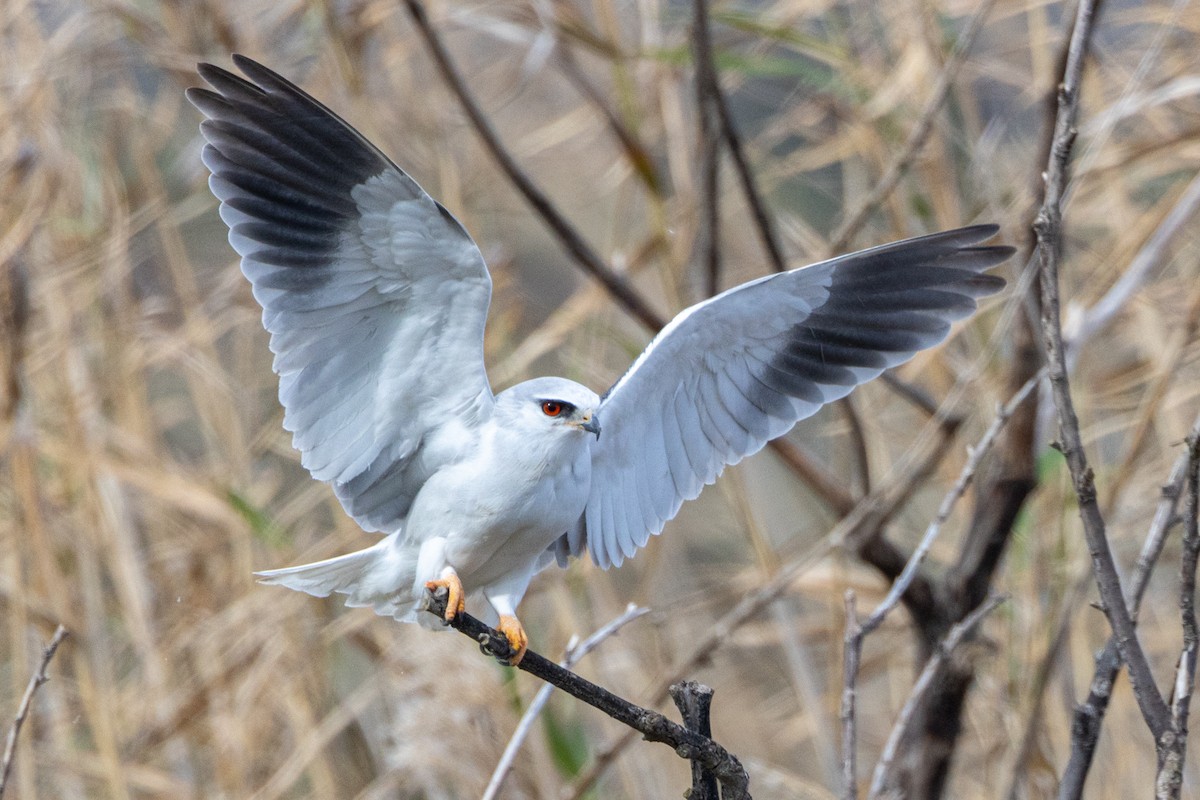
[(375, 298)]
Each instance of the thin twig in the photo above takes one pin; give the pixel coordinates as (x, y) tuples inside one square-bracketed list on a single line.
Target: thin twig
[(947, 646), (1085, 726), (652, 725), (856, 631), (1169, 781), (1048, 228), (830, 488), (568, 236), (575, 652), (976, 454), (1104, 310), (916, 138), (851, 656), (35, 683), (858, 442)]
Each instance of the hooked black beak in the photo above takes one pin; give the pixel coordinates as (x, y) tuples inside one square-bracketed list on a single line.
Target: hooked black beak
[(592, 426)]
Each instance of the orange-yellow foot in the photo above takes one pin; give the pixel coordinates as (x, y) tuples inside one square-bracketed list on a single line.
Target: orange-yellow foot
[(456, 601), (517, 640)]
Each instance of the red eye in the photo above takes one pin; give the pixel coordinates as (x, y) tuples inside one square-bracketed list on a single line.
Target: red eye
[(551, 408)]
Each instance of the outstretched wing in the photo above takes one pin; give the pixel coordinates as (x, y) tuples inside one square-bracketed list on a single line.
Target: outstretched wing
[(728, 375), (374, 295)]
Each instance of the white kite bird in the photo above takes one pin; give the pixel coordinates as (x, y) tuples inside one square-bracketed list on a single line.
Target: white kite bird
[(376, 298)]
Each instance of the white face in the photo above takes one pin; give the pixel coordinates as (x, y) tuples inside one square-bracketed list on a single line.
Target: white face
[(553, 404), (563, 413)]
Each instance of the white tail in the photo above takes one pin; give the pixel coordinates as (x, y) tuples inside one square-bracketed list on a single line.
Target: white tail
[(380, 577)]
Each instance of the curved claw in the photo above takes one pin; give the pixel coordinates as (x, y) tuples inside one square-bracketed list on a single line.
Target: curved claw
[(513, 631), (456, 600)]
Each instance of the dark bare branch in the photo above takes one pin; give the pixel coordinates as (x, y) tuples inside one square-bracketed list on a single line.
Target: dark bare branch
[(762, 219), (652, 725), (1089, 715), (694, 700), (948, 502), (861, 528), (1048, 228)]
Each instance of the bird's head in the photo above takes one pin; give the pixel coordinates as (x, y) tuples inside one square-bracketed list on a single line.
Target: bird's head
[(553, 403)]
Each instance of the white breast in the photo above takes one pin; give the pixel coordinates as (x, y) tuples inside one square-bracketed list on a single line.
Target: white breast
[(502, 507)]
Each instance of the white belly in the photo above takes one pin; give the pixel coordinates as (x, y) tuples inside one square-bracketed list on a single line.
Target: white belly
[(499, 514)]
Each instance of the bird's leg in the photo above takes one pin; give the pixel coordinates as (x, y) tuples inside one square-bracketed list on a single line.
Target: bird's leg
[(503, 597), (512, 629), (456, 601)]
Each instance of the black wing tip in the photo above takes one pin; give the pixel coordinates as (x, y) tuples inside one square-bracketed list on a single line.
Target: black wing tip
[(958, 238), (259, 79)]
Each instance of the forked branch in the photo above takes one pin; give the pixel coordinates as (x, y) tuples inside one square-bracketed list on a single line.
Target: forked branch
[(653, 726), (1048, 228)]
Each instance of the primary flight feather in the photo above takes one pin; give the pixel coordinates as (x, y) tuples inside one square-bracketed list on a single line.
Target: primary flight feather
[(376, 299)]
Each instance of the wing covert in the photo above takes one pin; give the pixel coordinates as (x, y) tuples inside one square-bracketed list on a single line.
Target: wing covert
[(374, 295), (729, 374)]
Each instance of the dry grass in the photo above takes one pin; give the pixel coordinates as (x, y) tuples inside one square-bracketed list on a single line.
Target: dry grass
[(145, 472)]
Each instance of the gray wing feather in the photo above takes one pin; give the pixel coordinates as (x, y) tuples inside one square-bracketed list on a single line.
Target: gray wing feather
[(374, 295), (732, 373)]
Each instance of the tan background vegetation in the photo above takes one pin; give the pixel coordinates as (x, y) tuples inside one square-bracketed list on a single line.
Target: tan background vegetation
[(145, 474)]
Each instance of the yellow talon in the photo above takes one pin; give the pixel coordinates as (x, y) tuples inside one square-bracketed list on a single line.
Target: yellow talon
[(456, 602), (517, 640)]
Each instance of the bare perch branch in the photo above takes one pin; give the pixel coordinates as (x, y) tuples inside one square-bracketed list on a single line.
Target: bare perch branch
[(575, 651), (694, 701), (35, 683), (1048, 229), (653, 726)]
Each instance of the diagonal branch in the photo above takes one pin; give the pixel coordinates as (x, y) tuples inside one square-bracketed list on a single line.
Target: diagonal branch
[(810, 471), (568, 236), (652, 725), (35, 683), (1048, 228), (575, 651), (706, 75), (945, 648), (856, 631)]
